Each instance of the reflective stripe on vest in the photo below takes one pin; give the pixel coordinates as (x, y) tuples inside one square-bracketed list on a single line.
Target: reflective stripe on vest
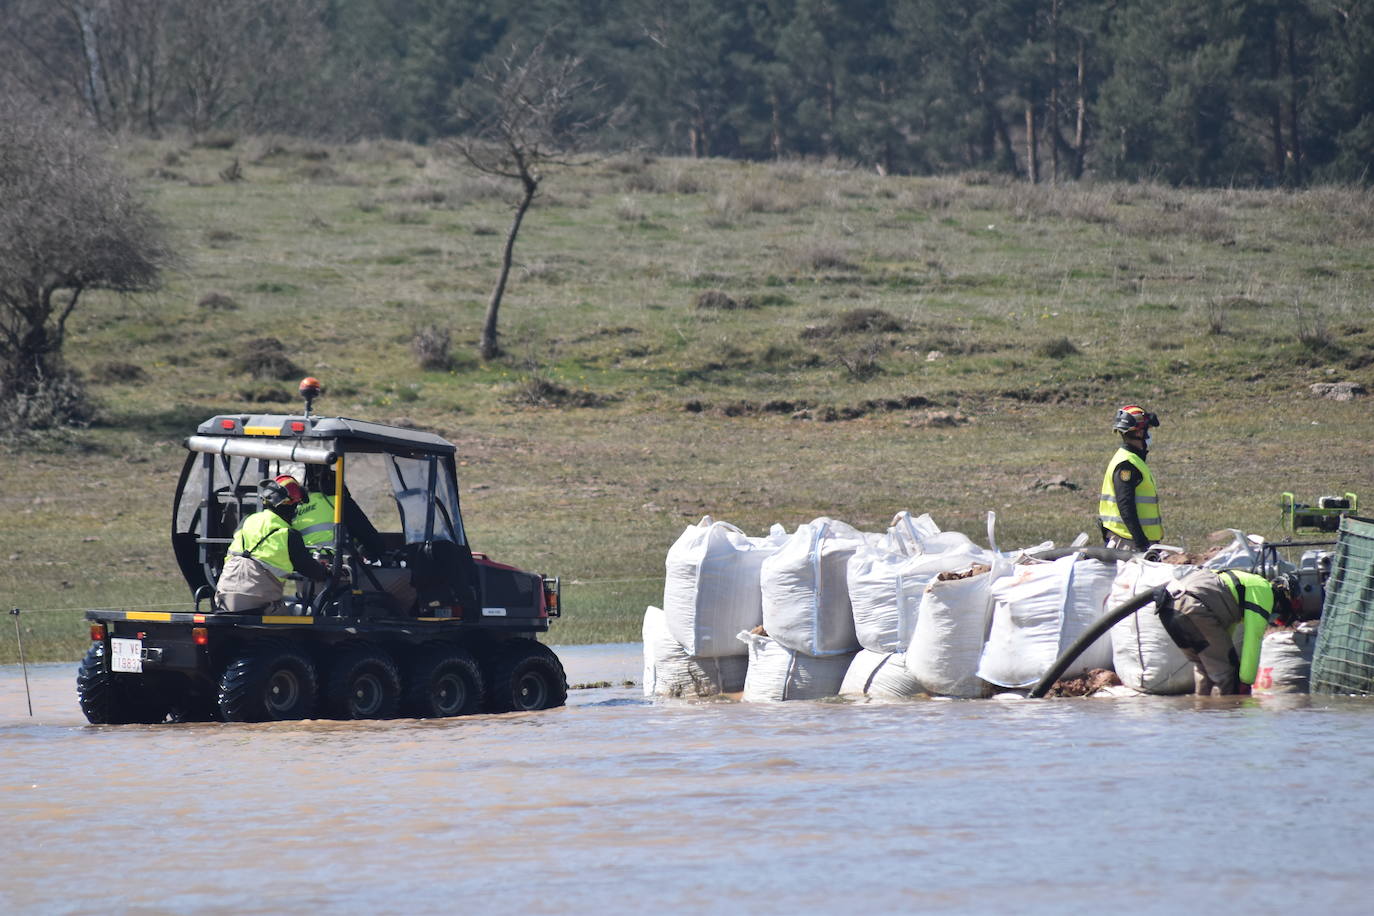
[(1146, 500), (265, 535), (315, 521), (1255, 598)]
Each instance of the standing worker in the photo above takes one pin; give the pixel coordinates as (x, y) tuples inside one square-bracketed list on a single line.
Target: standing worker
[(1128, 509), (264, 551), (1201, 612)]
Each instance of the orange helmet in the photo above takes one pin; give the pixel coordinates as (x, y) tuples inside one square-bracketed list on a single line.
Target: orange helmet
[(284, 490), (1133, 419)]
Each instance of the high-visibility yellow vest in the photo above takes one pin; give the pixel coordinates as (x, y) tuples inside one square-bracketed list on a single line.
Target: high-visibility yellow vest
[(262, 536), (314, 519), (1146, 500), (1255, 598)]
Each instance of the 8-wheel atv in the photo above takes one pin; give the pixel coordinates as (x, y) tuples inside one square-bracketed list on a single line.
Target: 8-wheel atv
[(462, 641)]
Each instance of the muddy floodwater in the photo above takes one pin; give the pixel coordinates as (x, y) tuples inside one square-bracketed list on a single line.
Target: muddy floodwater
[(616, 804)]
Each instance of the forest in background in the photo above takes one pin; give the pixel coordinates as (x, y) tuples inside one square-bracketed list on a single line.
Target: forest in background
[(1204, 92)]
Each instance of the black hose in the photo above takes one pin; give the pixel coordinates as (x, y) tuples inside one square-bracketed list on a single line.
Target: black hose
[(1088, 637)]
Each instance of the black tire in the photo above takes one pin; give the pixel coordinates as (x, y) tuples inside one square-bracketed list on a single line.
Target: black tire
[(525, 675), (268, 683), (363, 684), (442, 683), (116, 699)]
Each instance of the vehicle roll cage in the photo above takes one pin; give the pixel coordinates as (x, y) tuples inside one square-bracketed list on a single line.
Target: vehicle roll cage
[(227, 496)]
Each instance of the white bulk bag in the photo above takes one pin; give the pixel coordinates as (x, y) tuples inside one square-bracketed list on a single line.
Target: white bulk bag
[(872, 581), (908, 531), (1039, 609), (1285, 662), (885, 590), (669, 671), (711, 590), (880, 674), (777, 673), (805, 589), (951, 625), (1143, 654)]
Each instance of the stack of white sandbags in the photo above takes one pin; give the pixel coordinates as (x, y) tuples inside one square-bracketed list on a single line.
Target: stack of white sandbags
[(1039, 610), (671, 671), (806, 614), (887, 585), (1143, 654), (711, 590)]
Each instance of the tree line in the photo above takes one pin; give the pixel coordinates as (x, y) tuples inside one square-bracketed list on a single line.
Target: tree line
[(1205, 92)]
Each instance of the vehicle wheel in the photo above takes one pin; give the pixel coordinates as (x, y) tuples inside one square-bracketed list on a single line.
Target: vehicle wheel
[(363, 684), (267, 683), (525, 675), (442, 683), (116, 699)]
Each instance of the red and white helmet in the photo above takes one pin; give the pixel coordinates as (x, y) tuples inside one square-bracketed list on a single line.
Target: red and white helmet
[(1133, 419), (284, 490)]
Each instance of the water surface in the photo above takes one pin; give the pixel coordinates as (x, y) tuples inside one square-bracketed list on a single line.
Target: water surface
[(616, 804)]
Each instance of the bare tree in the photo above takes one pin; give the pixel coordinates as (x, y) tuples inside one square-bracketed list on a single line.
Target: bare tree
[(70, 222), (525, 115)]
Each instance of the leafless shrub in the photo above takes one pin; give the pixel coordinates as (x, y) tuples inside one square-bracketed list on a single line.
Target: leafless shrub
[(232, 172), (855, 321), (629, 210), (861, 362), (431, 346), (50, 402), (1212, 316), (1310, 328)]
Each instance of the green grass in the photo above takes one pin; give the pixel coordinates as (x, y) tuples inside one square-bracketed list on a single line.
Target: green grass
[(1027, 313)]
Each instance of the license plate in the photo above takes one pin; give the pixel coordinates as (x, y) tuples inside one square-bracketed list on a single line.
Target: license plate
[(493, 612), (126, 655)]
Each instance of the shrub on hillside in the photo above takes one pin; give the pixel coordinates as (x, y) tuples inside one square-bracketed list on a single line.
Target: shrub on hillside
[(432, 348), (266, 358)]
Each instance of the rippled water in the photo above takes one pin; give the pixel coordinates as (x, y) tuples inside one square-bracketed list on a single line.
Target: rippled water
[(619, 805)]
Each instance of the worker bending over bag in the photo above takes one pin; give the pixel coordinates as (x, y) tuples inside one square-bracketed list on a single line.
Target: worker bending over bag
[(1201, 612)]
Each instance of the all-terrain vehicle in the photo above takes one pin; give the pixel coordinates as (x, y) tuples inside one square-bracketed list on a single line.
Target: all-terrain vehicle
[(464, 641)]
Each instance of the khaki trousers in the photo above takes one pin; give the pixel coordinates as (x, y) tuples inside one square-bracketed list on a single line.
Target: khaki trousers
[(1204, 616)]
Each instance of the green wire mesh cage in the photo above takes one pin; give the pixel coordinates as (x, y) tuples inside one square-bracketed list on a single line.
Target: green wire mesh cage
[(1343, 662)]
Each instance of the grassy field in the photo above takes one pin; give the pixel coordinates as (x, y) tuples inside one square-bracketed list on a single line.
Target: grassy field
[(761, 343)]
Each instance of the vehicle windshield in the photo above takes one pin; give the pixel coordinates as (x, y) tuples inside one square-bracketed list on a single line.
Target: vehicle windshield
[(393, 492)]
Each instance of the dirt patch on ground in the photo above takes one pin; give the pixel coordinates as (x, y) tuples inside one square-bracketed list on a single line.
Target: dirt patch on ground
[(809, 410)]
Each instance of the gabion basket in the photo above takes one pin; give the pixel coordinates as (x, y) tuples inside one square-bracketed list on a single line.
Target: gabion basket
[(1343, 662)]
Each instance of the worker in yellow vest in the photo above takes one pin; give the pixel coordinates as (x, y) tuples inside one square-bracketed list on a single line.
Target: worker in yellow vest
[(1128, 508), (264, 551), (1201, 614), (315, 521)]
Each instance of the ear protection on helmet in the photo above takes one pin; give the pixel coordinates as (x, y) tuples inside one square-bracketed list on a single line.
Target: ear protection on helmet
[(281, 491), (1130, 419)]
